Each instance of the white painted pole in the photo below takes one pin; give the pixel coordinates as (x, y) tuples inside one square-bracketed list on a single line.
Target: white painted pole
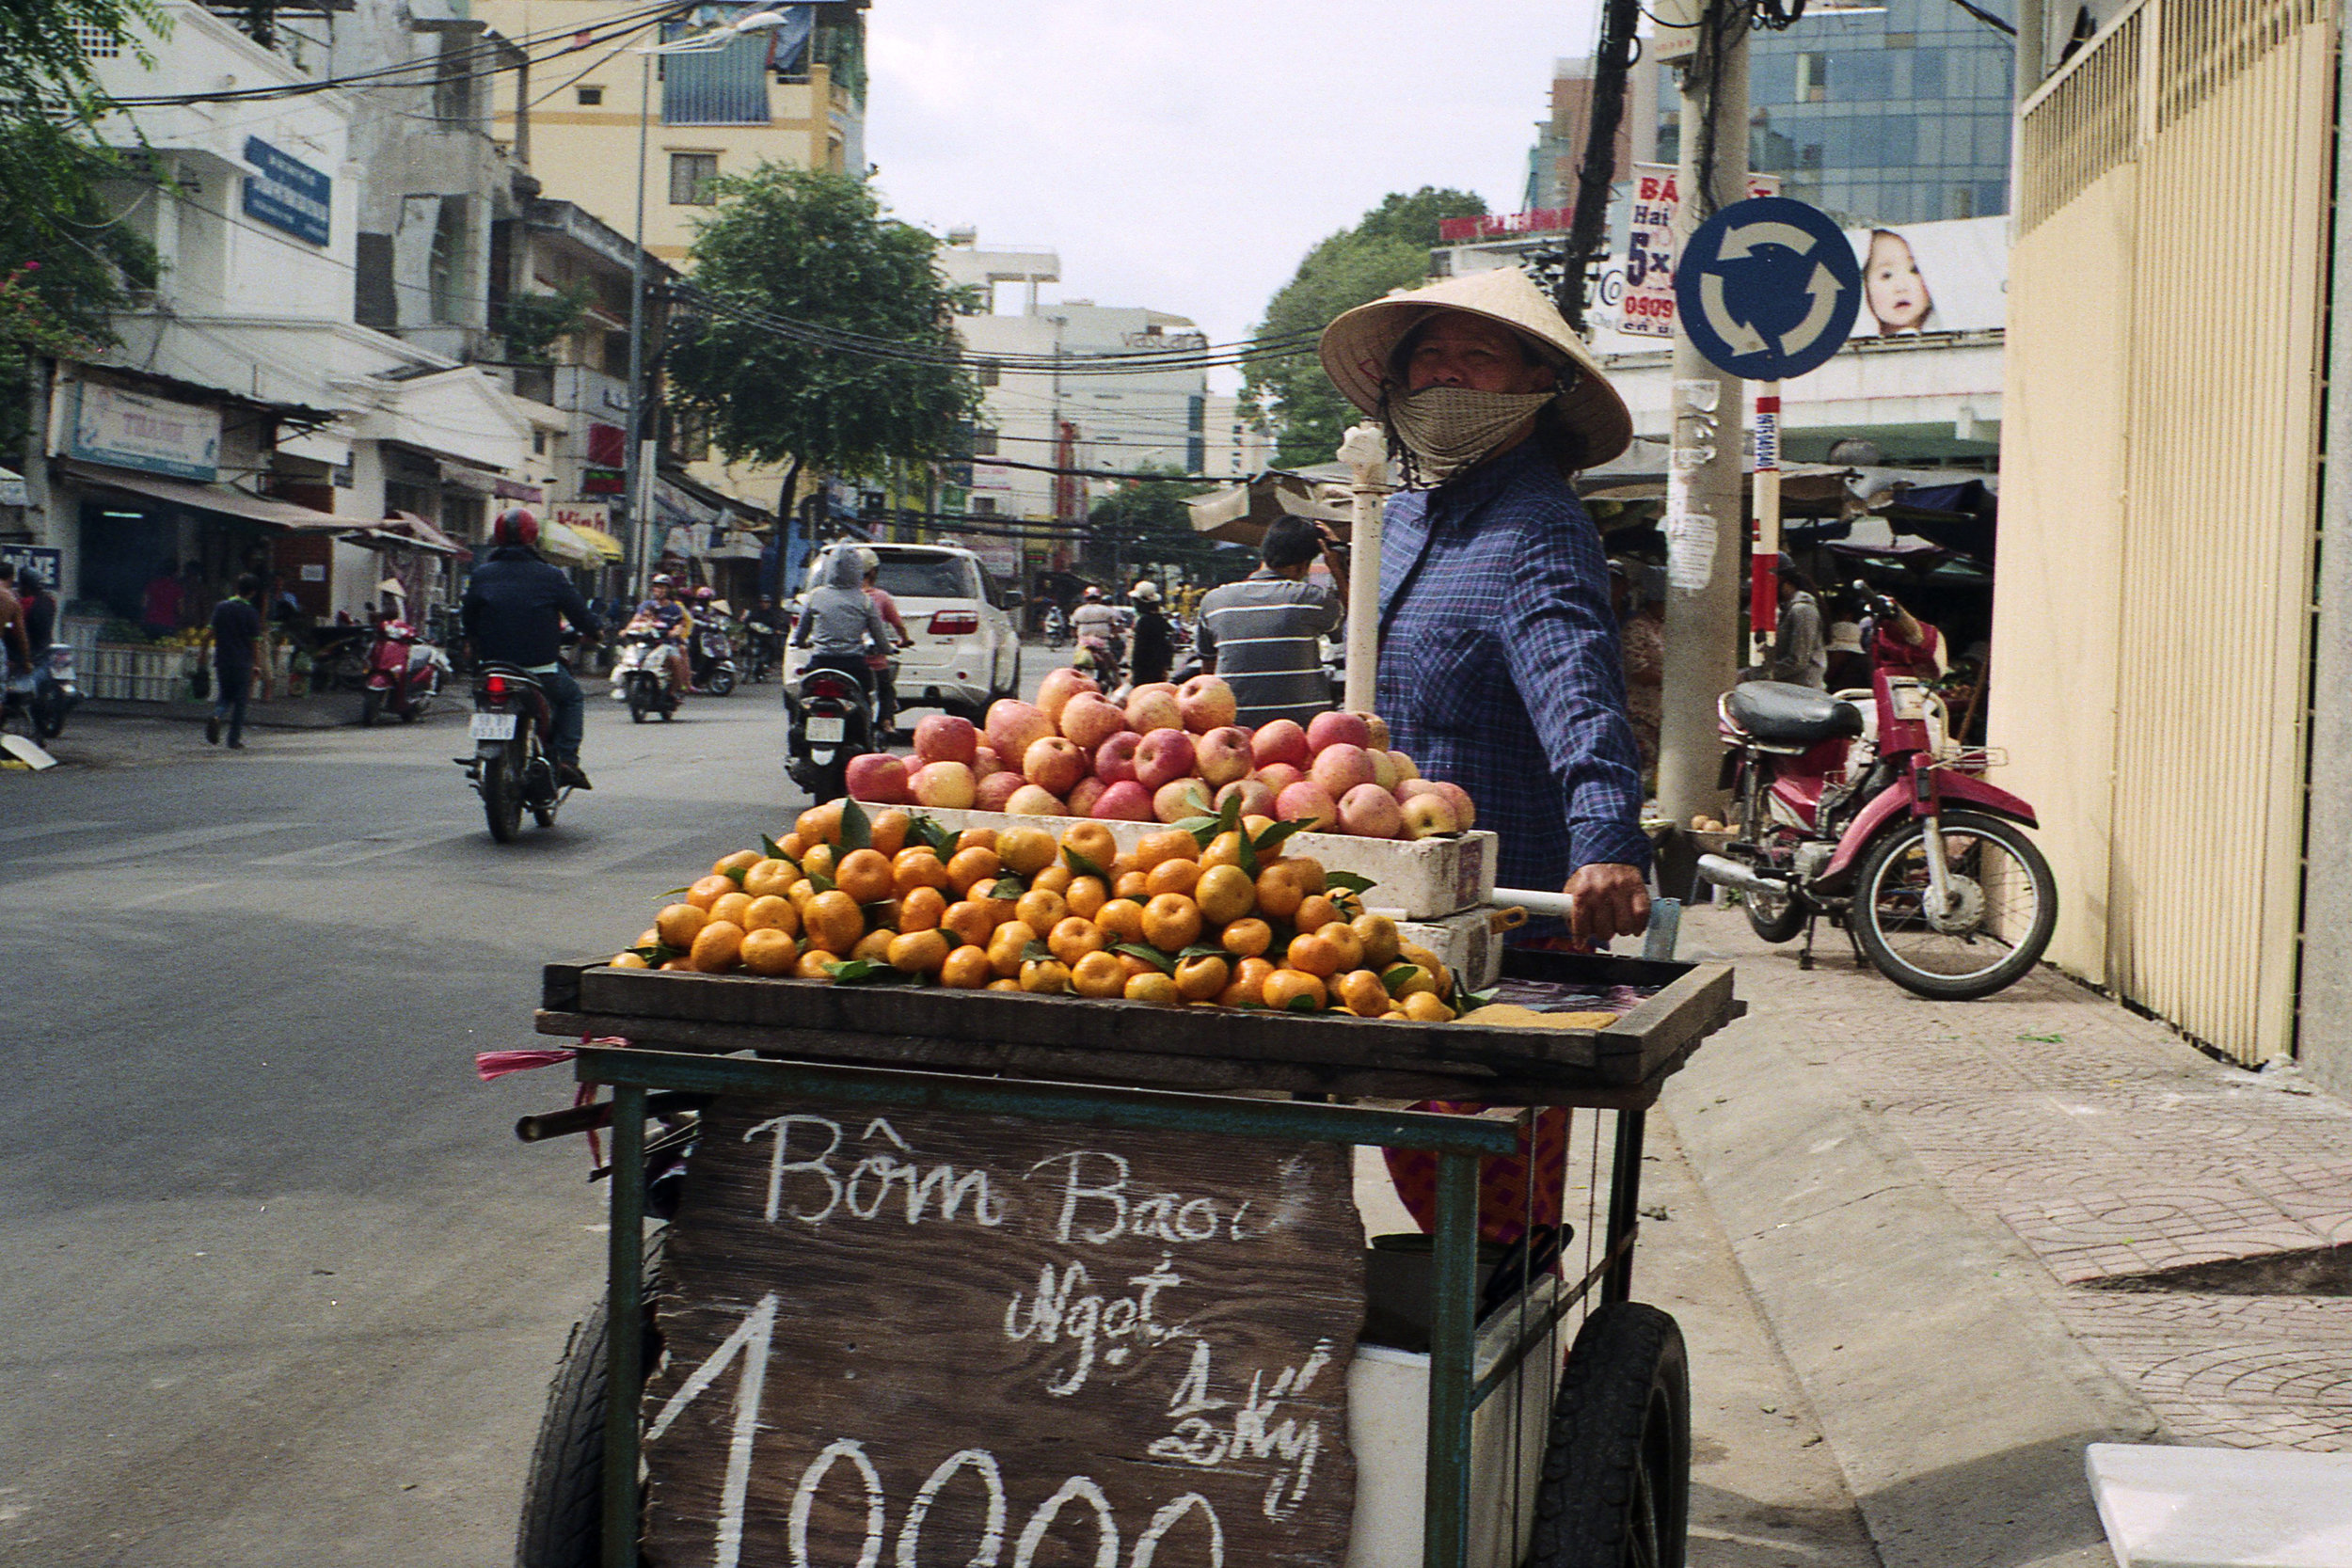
[(1366, 450), (1764, 571)]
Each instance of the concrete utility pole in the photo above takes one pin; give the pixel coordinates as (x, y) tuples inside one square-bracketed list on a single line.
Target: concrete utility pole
[(1705, 522)]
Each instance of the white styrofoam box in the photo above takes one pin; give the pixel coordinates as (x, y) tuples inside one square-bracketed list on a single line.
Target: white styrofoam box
[(2223, 1508), (1388, 1427), (1469, 944), (1420, 878)]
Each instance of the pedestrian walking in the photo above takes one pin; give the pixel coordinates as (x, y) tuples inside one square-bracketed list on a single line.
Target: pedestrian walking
[(1262, 636), (235, 638), (1800, 651), (1155, 640)]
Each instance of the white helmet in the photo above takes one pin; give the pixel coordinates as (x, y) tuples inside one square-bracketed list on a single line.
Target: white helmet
[(1146, 590)]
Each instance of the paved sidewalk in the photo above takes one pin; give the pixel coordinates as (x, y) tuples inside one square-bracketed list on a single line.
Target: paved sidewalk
[(1935, 1202)]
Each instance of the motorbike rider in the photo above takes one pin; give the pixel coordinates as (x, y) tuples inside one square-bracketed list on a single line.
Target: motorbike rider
[(840, 623), (15, 650), (40, 612), (767, 623), (707, 623), (513, 613), (1096, 621), (886, 678), (664, 616)]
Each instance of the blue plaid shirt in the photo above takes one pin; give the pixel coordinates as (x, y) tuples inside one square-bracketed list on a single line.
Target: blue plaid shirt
[(1500, 671)]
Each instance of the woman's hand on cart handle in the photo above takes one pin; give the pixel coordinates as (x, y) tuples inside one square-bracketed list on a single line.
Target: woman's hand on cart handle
[(1606, 901)]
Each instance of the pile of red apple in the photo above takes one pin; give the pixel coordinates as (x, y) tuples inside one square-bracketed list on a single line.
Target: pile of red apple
[(1173, 752)]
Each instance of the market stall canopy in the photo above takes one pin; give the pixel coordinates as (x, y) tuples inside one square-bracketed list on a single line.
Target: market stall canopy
[(568, 547), (283, 516), (1240, 514), (597, 536), (406, 530)]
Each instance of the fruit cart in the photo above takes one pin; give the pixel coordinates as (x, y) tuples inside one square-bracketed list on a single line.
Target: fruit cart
[(1014, 1280)]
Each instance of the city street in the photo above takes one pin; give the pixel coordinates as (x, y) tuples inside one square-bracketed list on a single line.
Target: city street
[(283, 1289)]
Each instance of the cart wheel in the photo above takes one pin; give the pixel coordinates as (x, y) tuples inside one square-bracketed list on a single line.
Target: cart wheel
[(1616, 1486), (563, 1525)]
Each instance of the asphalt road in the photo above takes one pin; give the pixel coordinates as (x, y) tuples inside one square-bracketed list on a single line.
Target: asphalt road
[(279, 1286)]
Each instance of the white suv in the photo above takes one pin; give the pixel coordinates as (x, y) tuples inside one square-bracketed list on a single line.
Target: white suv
[(966, 651)]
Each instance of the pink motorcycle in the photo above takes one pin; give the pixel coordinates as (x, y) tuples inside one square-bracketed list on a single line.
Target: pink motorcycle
[(404, 674), (1878, 820)]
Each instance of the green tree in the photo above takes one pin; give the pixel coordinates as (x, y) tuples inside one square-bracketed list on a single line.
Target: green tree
[(1389, 248), (64, 261), (811, 247), (1145, 523)]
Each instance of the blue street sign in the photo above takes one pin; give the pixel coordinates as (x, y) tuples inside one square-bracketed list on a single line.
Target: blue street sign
[(1767, 288)]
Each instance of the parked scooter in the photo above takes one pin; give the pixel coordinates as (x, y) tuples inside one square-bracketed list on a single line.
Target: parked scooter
[(1876, 819), (513, 766), (641, 677), (404, 674), (829, 720), (42, 699)]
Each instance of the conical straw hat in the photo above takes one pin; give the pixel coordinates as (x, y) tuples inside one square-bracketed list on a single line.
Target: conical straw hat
[(1356, 349)]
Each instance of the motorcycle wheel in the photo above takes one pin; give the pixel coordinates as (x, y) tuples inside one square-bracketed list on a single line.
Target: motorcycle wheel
[(722, 683), (2018, 896), (420, 704), (636, 701), (48, 718), (502, 797), (371, 708), (1775, 919)]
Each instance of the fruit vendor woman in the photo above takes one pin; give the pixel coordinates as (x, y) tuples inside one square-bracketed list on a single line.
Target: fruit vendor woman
[(1498, 664)]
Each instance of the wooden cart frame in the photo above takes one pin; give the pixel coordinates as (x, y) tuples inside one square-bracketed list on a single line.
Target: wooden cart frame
[(905, 1049)]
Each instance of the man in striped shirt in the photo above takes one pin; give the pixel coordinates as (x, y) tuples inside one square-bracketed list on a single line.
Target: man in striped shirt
[(1260, 634)]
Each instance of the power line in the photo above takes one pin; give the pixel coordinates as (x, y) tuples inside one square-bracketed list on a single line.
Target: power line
[(494, 47)]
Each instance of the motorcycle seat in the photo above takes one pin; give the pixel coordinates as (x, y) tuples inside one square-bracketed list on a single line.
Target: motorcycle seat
[(1784, 713)]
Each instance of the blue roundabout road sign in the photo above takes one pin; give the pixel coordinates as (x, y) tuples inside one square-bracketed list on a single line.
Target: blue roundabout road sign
[(1767, 288)]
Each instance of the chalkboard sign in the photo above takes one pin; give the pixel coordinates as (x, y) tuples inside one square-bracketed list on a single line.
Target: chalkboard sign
[(939, 1339)]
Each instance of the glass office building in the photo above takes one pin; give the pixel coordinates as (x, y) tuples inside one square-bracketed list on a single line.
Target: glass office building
[(1900, 116)]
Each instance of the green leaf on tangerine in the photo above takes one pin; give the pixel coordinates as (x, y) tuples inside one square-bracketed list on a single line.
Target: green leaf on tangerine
[(1008, 886), (1035, 952), (1203, 950), (857, 829), (1084, 866), (775, 851), (930, 833), (675, 892), (1202, 828), (1304, 1005), (738, 872), (822, 882), (1273, 836), (1149, 955), (1347, 881), (1398, 975)]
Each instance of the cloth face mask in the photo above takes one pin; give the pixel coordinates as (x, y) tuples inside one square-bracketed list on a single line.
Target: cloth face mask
[(1453, 428)]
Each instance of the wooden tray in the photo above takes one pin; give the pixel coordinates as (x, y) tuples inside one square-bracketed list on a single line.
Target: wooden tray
[(1144, 1046)]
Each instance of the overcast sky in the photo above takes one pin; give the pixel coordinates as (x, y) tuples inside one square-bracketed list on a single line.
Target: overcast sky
[(1183, 156)]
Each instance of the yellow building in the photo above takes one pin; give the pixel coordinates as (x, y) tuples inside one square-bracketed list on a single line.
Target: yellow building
[(793, 94)]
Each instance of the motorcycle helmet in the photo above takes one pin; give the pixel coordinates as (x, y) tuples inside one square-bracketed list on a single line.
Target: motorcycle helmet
[(705, 595), (660, 580), (1147, 591), (516, 526), (1093, 595)]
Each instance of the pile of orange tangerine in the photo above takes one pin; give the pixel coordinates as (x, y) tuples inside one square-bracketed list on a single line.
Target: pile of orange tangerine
[(1172, 922)]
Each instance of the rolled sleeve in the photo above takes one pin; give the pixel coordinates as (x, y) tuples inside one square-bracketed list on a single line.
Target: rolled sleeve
[(1561, 642)]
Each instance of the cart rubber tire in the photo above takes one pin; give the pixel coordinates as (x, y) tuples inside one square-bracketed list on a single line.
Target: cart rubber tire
[(1616, 1484), (563, 1522), (1782, 926)]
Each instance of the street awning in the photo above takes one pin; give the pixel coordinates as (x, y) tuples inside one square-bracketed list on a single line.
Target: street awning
[(424, 534), (597, 536), (283, 516), (567, 546), (384, 539)]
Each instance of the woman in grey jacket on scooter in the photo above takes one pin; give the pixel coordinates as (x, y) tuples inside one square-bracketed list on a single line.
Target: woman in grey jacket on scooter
[(838, 619)]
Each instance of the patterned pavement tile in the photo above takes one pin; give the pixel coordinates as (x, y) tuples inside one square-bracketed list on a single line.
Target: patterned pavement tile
[(2108, 1147)]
